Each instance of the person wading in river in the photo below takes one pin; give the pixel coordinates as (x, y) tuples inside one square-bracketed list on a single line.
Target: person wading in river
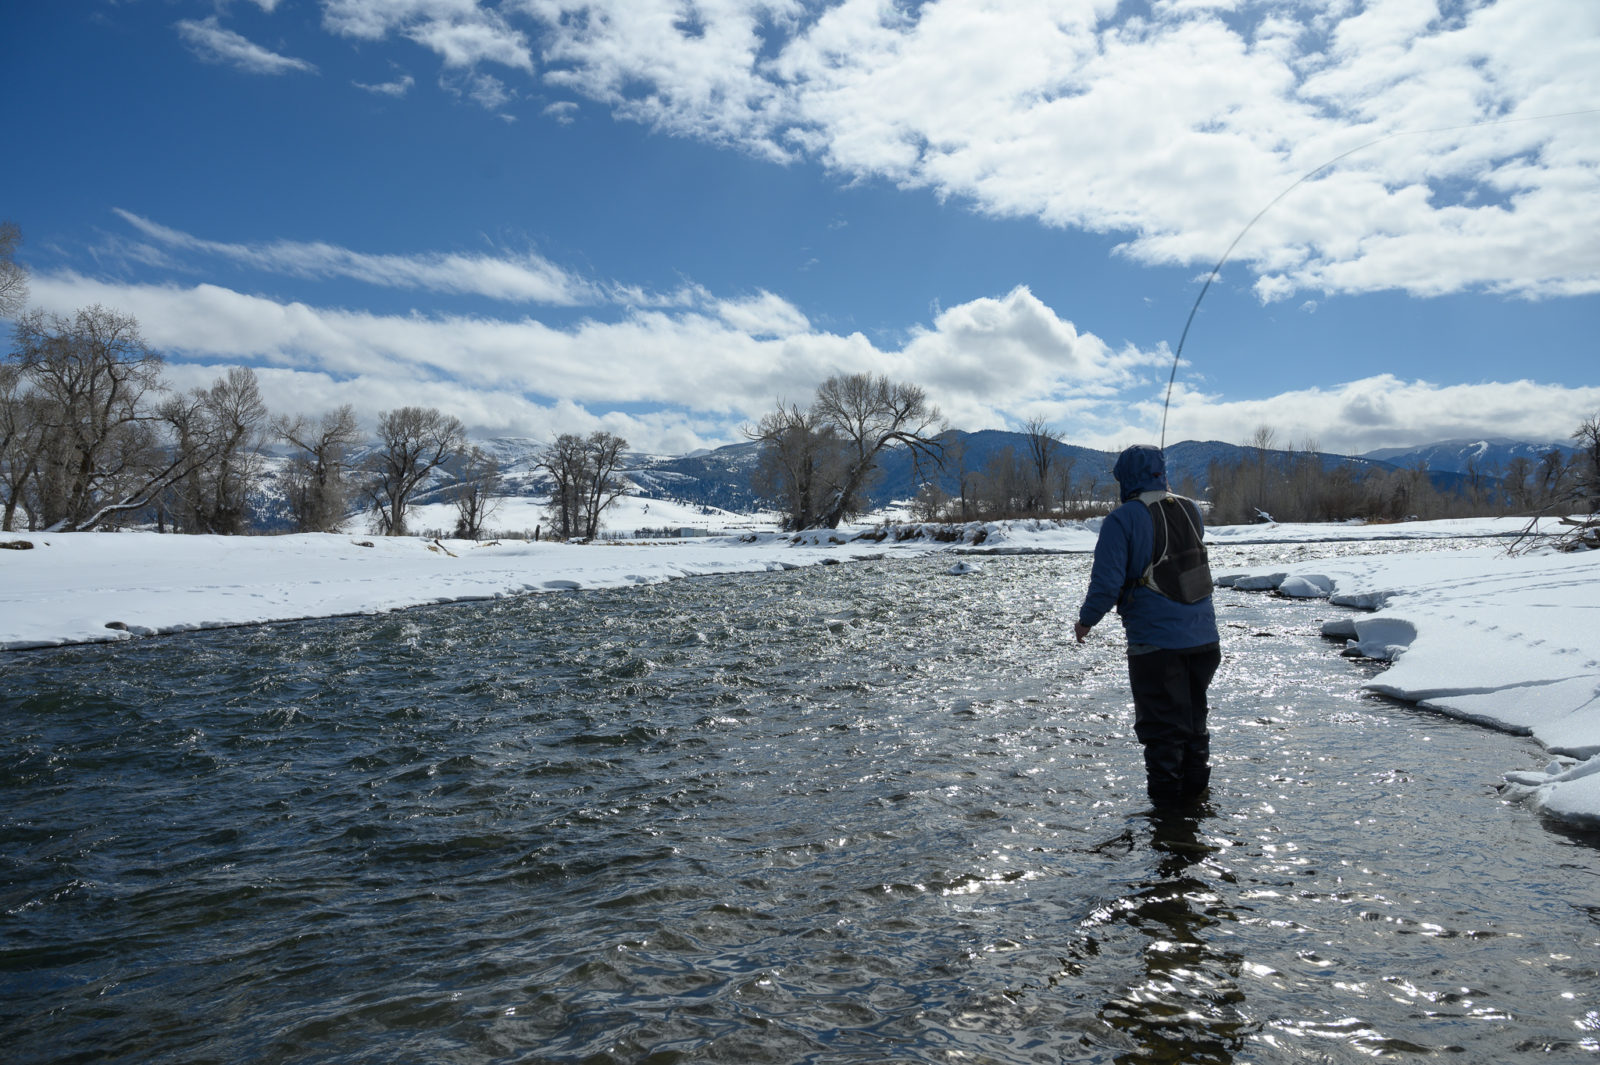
[(1150, 565)]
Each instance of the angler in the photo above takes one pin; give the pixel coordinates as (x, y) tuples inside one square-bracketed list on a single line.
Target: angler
[(1150, 564)]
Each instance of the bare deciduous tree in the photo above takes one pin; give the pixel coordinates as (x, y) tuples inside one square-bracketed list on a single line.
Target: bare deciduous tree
[(822, 460), (800, 457), (317, 485), (221, 430), (1519, 468), (475, 492), (564, 460), (13, 278), (606, 483), (412, 443), (873, 414), (586, 476), (1043, 447), (23, 419), (1587, 434), (92, 376)]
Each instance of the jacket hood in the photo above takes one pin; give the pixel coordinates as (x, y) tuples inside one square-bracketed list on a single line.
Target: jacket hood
[(1140, 468)]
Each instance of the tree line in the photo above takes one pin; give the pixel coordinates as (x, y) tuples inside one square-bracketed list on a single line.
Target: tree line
[(92, 437), (1296, 485), (817, 462)]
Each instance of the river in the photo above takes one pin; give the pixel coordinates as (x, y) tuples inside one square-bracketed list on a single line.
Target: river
[(867, 813)]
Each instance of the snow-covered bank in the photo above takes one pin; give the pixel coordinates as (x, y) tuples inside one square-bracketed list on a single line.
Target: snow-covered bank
[(1511, 642), (88, 587)]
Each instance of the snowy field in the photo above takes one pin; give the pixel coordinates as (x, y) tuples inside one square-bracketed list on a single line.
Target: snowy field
[(1511, 642), (521, 515)]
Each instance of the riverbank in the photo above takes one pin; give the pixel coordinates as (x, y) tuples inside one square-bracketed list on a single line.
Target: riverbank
[(65, 588), (1511, 642), (1505, 641)]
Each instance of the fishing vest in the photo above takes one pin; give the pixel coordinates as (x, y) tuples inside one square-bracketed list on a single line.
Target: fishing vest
[(1179, 567)]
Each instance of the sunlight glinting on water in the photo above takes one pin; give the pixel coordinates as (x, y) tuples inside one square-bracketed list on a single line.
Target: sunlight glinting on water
[(867, 813)]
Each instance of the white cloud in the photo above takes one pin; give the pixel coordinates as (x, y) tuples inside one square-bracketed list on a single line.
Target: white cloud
[(1384, 411), (528, 278), (486, 90), (460, 31), (396, 88), (700, 371), (1176, 128), (764, 315), (207, 39), (671, 381), (563, 111), (689, 69), (1472, 137)]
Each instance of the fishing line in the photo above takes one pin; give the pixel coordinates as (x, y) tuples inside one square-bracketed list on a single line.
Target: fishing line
[(1307, 176)]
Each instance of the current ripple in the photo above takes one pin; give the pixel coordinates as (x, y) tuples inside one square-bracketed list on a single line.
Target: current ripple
[(852, 814)]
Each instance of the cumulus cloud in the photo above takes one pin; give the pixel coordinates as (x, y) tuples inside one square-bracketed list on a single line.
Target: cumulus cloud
[(695, 372), (1472, 142), (208, 40), (672, 379), (1384, 411), (1465, 142), (689, 69)]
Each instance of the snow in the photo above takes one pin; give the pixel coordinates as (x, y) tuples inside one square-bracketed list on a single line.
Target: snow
[(628, 515), (1507, 641), (1482, 635)]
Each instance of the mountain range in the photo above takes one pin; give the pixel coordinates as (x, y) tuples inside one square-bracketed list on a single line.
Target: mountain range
[(721, 477)]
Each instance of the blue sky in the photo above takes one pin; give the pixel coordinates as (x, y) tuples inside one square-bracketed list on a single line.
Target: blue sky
[(660, 217)]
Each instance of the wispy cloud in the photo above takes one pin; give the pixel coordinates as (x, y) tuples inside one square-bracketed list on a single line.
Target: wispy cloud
[(485, 90), (207, 39), (563, 111), (396, 88), (460, 31), (524, 278)]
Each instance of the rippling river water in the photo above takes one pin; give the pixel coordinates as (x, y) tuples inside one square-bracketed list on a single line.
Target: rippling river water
[(867, 813)]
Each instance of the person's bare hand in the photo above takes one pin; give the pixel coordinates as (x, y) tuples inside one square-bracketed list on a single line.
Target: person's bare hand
[(1080, 630)]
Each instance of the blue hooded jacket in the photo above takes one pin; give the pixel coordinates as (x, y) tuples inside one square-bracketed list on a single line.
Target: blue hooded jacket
[(1125, 547)]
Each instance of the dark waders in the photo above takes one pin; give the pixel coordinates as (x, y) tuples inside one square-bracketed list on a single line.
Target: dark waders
[(1169, 717)]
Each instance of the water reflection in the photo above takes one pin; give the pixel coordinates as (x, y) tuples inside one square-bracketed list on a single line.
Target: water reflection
[(1187, 1003)]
